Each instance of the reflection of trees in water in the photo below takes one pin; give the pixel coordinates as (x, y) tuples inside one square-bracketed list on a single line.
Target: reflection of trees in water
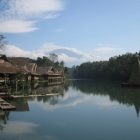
[(66, 86), (128, 96), (21, 104), (57, 91), (4, 117), (40, 89), (51, 99), (49, 90)]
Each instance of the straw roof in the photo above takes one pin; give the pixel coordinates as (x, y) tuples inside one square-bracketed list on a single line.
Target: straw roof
[(48, 71), (24, 64)]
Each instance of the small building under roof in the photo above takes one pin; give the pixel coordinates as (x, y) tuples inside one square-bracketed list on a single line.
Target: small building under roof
[(7, 69), (14, 65), (27, 65), (51, 74)]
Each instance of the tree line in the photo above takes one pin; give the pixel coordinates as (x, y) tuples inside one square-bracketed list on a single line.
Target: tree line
[(117, 68)]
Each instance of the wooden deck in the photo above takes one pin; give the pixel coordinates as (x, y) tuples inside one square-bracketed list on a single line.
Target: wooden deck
[(34, 95), (4, 105)]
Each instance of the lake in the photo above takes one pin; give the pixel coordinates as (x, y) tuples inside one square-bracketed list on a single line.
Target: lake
[(78, 110)]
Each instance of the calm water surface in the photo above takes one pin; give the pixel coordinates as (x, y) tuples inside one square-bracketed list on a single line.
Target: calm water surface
[(82, 110)]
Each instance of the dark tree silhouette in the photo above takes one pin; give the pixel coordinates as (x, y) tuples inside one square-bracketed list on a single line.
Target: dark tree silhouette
[(2, 43)]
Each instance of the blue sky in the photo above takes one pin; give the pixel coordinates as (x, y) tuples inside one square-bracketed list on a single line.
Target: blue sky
[(91, 29)]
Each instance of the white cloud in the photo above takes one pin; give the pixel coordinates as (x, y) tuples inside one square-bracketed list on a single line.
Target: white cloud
[(19, 15), (33, 7), (106, 48), (51, 16), (105, 51), (12, 50), (70, 56), (65, 57), (17, 26)]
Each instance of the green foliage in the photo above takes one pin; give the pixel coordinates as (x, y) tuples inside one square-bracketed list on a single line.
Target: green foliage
[(2, 42), (46, 61), (91, 70), (135, 75), (118, 67)]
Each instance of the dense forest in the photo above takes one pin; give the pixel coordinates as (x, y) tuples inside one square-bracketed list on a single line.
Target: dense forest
[(117, 68)]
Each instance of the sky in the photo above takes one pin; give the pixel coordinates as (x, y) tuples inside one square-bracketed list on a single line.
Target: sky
[(76, 30)]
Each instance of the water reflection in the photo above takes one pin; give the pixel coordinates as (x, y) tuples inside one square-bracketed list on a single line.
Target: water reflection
[(21, 104), (126, 96), (68, 110), (68, 95), (19, 127), (36, 89), (4, 116)]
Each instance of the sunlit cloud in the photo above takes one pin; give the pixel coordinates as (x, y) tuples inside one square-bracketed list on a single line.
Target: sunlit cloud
[(70, 56), (18, 52), (51, 16), (27, 8), (17, 26), (18, 16), (106, 48), (105, 51)]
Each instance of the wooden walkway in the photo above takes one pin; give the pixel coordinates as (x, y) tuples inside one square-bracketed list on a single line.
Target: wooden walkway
[(5, 105), (34, 95)]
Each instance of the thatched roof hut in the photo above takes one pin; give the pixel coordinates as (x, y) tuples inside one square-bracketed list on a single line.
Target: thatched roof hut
[(49, 71), (24, 64), (6, 67)]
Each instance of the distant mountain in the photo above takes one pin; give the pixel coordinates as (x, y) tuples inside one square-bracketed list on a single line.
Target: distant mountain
[(70, 56), (67, 52)]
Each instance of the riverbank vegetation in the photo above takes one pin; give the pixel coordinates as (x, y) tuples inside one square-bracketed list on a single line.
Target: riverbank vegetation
[(116, 68)]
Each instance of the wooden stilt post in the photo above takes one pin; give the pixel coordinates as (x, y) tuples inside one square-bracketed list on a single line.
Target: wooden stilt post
[(16, 85)]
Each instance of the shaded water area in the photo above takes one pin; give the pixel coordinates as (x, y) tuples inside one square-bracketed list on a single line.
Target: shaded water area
[(80, 110)]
